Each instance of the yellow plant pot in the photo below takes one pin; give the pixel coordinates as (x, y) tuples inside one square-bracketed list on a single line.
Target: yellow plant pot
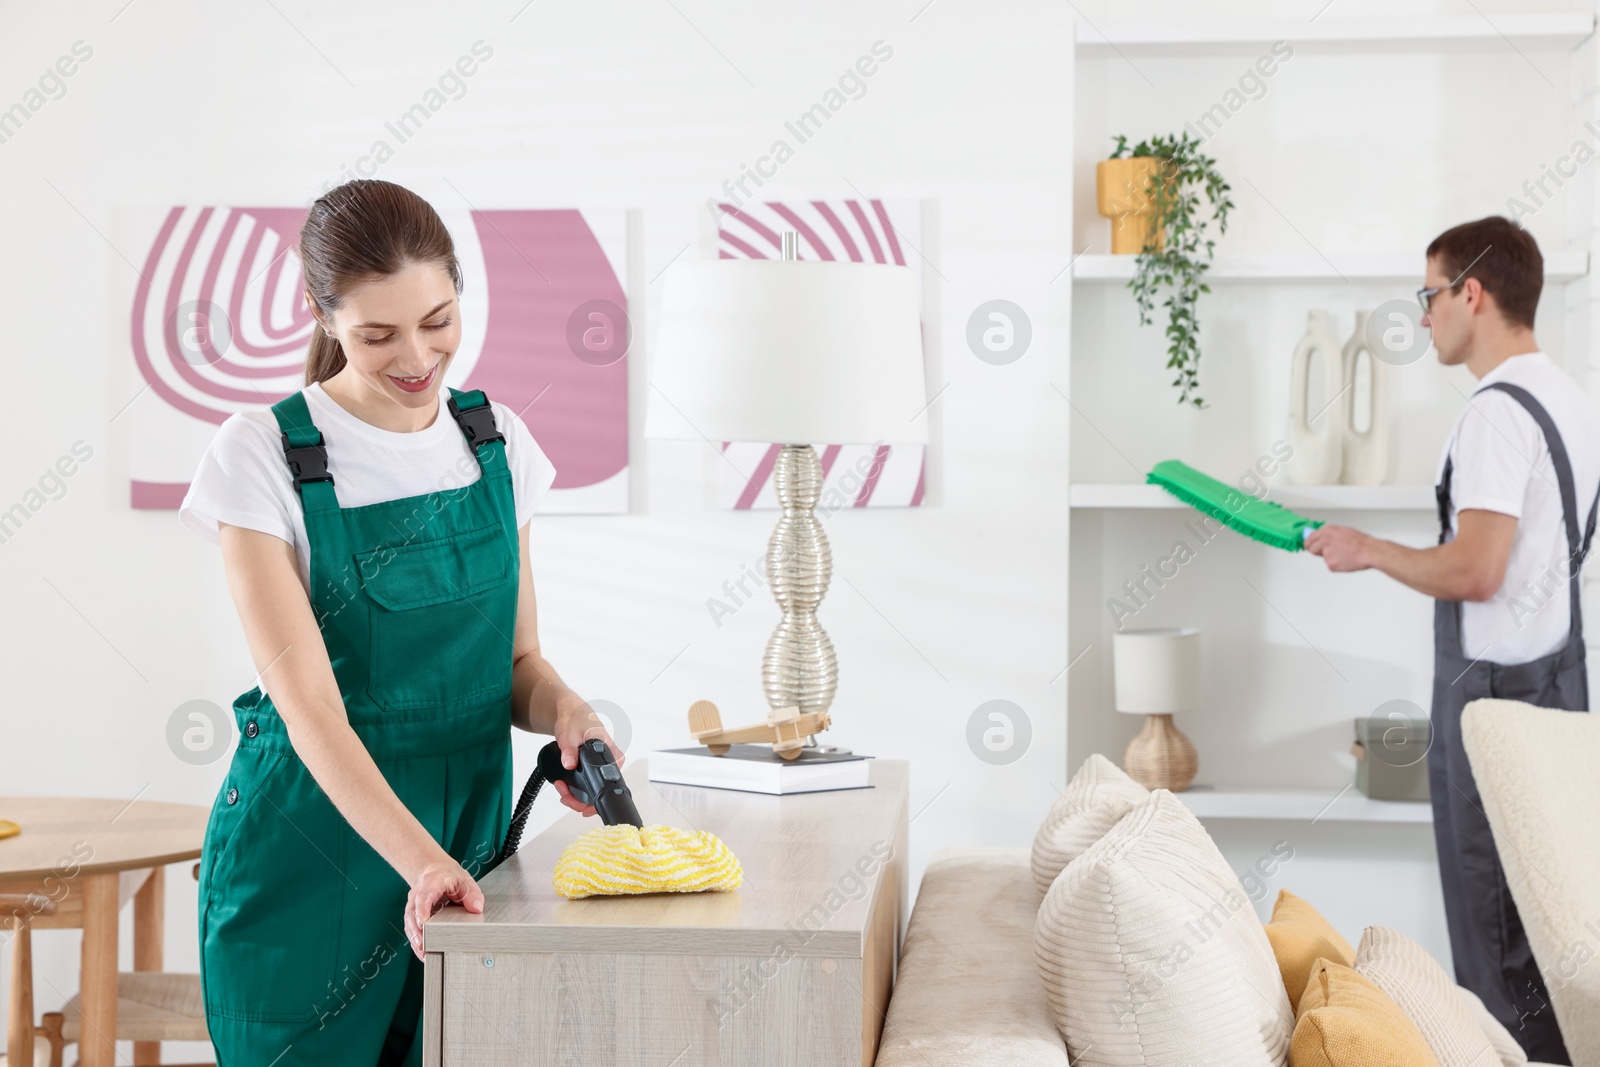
[(1121, 195)]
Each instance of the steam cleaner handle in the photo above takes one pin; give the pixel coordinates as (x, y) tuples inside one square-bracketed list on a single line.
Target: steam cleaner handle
[(595, 780)]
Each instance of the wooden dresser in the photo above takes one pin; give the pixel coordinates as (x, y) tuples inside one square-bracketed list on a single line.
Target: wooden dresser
[(794, 967)]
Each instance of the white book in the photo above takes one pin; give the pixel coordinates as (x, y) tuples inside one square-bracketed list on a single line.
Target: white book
[(757, 769)]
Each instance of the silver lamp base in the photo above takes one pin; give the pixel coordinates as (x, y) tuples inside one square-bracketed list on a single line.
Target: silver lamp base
[(798, 667)]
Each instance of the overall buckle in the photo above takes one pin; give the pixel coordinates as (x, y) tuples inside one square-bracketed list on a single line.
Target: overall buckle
[(308, 462), (476, 423)]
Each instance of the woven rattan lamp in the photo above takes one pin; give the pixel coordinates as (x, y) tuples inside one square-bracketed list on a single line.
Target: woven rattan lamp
[(799, 352), (1157, 675)]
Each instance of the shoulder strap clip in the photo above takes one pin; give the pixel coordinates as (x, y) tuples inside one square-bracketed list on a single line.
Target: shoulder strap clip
[(308, 462), (477, 423)]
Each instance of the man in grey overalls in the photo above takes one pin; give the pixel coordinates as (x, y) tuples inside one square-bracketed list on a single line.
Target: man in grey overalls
[(1517, 492)]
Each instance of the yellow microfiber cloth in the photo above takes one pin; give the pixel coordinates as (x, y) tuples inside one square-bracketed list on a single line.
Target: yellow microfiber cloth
[(623, 859)]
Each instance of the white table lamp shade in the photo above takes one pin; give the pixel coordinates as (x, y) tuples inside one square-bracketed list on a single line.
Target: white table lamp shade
[(1157, 671), (792, 351)]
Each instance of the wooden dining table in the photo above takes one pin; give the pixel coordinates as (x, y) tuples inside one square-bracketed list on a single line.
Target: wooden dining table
[(90, 857)]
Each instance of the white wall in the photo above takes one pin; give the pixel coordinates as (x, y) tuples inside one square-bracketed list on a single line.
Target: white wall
[(116, 617)]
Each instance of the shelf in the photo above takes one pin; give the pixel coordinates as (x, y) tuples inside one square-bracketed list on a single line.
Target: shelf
[(1562, 30), (1402, 267), (1319, 805), (1294, 497)]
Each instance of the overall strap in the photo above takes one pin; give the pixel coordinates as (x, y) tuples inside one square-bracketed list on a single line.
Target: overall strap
[(305, 453), (471, 410), (1446, 613), (1441, 496), (1577, 546)]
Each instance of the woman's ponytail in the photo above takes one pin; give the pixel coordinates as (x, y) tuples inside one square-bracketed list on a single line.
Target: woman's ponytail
[(326, 357)]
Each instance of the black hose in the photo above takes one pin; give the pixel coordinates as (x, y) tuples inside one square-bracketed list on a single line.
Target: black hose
[(519, 815)]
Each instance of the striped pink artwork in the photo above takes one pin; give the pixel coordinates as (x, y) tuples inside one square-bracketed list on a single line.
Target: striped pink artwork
[(871, 231), (218, 324)]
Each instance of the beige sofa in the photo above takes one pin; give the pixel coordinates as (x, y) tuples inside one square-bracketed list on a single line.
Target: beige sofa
[(968, 991)]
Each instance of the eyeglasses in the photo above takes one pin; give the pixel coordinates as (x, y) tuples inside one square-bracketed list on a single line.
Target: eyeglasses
[(1425, 296)]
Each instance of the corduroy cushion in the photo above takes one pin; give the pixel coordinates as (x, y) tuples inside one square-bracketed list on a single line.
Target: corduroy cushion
[(1299, 936), (1535, 769), (1096, 797), (1410, 977), (1152, 956), (1505, 1046), (622, 860), (1346, 1021)]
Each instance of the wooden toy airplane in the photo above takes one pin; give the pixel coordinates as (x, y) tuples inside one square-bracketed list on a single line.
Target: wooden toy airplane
[(786, 729)]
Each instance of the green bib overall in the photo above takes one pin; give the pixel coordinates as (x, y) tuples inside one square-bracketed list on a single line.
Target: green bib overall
[(303, 952)]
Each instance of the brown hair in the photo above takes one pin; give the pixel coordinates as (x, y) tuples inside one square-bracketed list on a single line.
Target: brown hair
[(1502, 256), (362, 230)]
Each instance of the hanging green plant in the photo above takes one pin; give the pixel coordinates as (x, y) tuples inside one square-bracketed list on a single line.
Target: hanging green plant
[(1176, 251)]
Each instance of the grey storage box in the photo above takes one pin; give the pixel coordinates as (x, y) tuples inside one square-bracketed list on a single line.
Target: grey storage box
[(1392, 758)]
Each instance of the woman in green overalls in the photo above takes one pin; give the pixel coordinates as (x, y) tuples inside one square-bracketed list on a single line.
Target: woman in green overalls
[(373, 785)]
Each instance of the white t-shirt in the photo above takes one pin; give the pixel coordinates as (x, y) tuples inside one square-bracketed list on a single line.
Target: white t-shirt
[(243, 479), (1501, 463)]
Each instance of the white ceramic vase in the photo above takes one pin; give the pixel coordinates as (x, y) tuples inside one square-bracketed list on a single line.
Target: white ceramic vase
[(1366, 451), (1318, 449)]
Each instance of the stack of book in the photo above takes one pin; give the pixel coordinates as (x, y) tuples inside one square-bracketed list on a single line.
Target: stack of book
[(757, 769)]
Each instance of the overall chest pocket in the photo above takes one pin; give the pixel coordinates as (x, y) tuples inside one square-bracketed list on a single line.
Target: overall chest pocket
[(442, 617)]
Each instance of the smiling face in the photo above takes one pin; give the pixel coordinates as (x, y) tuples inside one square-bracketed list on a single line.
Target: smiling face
[(398, 333)]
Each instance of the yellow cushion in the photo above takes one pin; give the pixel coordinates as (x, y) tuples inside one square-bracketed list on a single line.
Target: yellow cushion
[(1299, 936), (619, 860), (1346, 1021)]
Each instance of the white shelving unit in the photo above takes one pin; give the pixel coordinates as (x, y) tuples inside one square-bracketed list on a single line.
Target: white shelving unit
[(1311, 805), (1562, 265), (1431, 32), (1125, 531), (1296, 498)]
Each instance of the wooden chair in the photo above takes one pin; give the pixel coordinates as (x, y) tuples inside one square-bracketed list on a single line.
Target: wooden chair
[(152, 1005)]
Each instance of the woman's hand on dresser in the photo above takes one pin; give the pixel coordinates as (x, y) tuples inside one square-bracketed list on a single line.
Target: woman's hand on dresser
[(439, 883), (576, 723)]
